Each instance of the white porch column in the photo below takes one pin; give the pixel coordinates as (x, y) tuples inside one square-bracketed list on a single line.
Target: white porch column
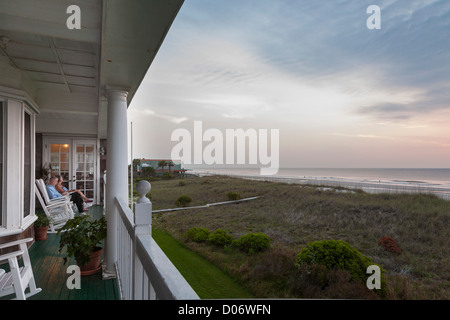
[(116, 169)]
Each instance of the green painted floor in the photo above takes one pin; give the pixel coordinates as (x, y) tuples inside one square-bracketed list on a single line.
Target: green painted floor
[(51, 274)]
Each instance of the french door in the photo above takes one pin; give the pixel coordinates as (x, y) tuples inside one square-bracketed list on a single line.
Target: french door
[(84, 164), (76, 161)]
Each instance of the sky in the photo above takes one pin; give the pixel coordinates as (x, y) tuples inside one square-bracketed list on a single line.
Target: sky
[(341, 95)]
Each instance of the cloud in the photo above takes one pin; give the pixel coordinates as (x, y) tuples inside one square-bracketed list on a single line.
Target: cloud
[(404, 140), (387, 111), (172, 119), (431, 101), (363, 136), (401, 67)]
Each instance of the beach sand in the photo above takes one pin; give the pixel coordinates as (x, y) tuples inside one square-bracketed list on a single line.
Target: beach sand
[(408, 187)]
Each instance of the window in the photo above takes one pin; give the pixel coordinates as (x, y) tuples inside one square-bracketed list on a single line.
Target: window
[(2, 127), (27, 165), (16, 166)]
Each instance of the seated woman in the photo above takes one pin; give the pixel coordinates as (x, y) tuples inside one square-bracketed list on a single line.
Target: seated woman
[(53, 193), (63, 190)]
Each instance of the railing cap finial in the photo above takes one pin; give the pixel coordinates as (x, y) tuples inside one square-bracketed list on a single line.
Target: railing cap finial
[(143, 187)]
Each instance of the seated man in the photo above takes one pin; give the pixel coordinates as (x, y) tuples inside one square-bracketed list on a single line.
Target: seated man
[(53, 194)]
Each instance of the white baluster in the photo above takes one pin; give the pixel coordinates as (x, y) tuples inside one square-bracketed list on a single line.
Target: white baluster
[(143, 209)]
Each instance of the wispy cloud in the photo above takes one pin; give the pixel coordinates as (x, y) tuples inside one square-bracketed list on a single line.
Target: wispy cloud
[(363, 136), (408, 139), (173, 119)]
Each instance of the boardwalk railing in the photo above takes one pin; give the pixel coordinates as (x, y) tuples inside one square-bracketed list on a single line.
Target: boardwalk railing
[(143, 270)]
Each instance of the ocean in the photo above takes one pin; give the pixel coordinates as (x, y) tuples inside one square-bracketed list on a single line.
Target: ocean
[(405, 180)]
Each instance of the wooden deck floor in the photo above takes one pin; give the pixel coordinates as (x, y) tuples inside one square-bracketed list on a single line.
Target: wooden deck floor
[(51, 273)]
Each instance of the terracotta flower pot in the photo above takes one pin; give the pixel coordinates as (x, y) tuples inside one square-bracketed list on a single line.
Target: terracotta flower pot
[(93, 265), (40, 233)]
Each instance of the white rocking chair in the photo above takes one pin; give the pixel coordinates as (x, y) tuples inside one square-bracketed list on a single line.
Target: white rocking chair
[(18, 279), (59, 210), (42, 188)]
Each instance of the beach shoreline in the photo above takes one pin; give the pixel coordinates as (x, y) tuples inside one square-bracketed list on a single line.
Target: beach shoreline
[(366, 185)]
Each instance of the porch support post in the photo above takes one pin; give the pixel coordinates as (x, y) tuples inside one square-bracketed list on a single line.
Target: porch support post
[(116, 169)]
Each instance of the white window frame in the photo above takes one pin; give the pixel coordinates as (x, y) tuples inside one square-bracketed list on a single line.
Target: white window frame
[(14, 220), (3, 216), (32, 212)]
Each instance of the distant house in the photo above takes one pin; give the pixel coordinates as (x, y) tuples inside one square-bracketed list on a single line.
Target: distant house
[(155, 164)]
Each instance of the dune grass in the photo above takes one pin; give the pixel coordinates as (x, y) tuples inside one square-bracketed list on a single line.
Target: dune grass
[(294, 215)]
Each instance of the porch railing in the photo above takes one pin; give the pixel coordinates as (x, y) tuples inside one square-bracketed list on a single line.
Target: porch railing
[(143, 271)]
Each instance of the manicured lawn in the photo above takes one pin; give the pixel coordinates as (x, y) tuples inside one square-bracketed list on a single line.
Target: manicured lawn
[(207, 280)]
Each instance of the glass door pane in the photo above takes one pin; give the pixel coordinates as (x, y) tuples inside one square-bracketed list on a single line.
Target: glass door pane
[(85, 168), (60, 161), (27, 165)]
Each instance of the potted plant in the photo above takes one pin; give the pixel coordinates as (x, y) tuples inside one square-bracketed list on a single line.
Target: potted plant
[(41, 226), (83, 236)]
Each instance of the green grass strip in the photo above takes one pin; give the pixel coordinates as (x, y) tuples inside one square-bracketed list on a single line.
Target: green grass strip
[(207, 280)]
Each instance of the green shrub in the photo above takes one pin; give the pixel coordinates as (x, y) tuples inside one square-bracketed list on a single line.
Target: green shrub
[(252, 242), (148, 172), (183, 201), (197, 234), (181, 183), (233, 196), (167, 175), (335, 254), (220, 238)]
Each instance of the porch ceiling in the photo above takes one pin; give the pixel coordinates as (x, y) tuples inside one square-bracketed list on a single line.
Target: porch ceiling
[(54, 64), (68, 70), (59, 66)]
